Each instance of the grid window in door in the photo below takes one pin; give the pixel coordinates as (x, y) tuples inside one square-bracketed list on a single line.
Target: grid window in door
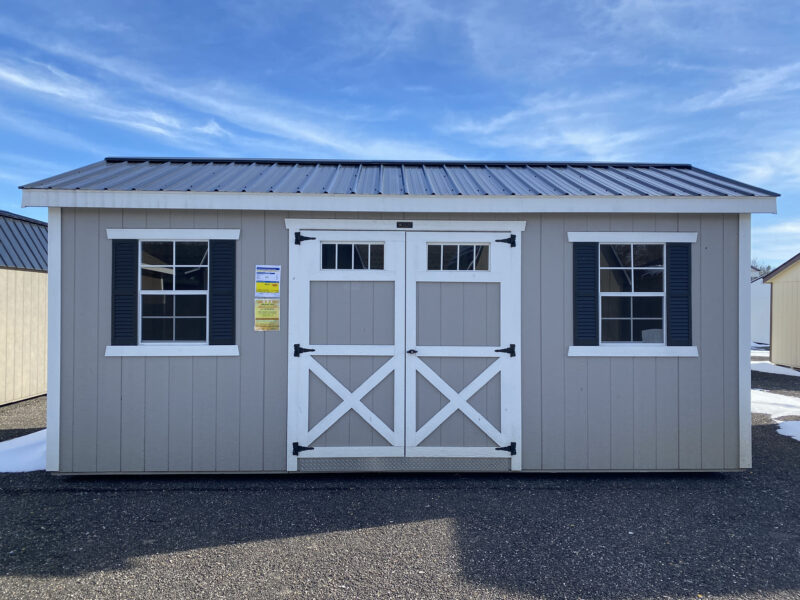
[(632, 293), (458, 257), (173, 291), (345, 256)]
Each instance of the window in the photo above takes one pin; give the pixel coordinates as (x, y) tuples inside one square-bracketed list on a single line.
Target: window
[(458, 257), (352, 256), (632, 293), (173, 291)]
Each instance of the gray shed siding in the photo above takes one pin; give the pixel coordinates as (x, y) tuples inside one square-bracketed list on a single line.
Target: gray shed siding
[(229, 413)]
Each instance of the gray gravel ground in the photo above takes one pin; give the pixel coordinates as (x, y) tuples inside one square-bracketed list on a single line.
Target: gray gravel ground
[(23, 417), (787, 385)]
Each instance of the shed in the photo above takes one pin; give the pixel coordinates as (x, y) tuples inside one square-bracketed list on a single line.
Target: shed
[(760, 308), (23, 307), (274, 316), (785, 320)]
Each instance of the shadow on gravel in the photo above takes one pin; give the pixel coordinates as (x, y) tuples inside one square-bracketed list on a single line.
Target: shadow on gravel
[(551, 536)]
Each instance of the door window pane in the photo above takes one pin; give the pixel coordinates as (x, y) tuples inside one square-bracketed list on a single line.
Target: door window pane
[(481, 258), (328, 256), (376, 256), (466, 258), (191, 253), (449, 258), (156, 253), (344, 256), (361, 256), (434, 257)]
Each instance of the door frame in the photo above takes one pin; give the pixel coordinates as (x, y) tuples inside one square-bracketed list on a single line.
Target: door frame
[(296, 314)]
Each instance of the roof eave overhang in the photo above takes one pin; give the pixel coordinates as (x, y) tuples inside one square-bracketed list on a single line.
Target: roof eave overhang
[(396, 203)]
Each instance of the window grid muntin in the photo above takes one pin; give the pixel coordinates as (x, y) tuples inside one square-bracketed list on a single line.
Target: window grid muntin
[(368, 267), (173, 292), (633, 293), (484, 256)]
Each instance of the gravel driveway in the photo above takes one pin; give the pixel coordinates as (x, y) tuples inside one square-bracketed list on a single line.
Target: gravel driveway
[(733, 535)]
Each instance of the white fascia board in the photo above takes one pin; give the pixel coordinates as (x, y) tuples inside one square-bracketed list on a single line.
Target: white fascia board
[(655, 237), (634, 350), (53, 339), (745, 424), (391, 225), (172, 234), (398, 203), (172, 350)]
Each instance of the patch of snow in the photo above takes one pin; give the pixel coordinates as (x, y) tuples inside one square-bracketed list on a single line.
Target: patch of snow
[(759, 354), (768, 367), (25, 453), (790, 429), (775, 405)]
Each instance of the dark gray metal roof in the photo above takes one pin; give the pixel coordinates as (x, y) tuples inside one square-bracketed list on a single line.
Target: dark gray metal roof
[(23, 242), (416, 178)]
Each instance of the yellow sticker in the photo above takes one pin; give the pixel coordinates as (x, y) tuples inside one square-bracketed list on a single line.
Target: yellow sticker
[(268, 287), (267, 315)]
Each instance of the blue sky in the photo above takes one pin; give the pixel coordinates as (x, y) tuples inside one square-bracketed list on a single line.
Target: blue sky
[(716, 84)]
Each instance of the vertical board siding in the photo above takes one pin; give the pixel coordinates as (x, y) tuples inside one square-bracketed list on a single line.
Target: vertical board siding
[(229, 413), (23, 334)]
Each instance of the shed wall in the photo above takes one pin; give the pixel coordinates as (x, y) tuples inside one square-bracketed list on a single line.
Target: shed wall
[(785, 343), (229, 413), (23, 334)]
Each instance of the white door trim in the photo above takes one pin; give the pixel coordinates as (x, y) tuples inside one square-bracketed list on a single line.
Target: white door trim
[(391, 225)]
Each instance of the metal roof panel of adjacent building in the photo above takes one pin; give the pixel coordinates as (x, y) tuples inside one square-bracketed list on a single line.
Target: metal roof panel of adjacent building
[(413, 178), (23, 242)]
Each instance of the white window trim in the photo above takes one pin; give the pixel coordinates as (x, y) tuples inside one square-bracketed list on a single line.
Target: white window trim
[(178, 235), (633, 237), (172, 349), (634, 349)]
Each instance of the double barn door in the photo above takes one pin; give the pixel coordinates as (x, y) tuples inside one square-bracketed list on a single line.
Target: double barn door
[(404, 344)]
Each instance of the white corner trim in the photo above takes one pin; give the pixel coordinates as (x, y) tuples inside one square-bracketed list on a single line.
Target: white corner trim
[(172, 234), (172, 350), (391, 225), (398, 203), (53, 339), (745, 427), (634, 350), (632, 236)]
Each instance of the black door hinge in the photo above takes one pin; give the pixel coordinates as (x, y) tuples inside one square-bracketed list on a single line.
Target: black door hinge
[(511, 350), (511, 448), (299, 238), (297, 448), (510, 240), (298, 349)]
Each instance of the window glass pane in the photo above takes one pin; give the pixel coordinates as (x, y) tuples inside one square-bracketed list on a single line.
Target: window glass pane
[(156, 253), (615, 280), (434, 257), (648, 307), (190, 330), (191, 278), (376, 256), (191, 253), (449, 258), (157, 330), (616, 307), (481, 258), (361, 256), (650, 331), (615, 255), (190, 306), (648, 280), (345, 256), (648, 255), (328, 256), (157, 278), (616, 330), (466, 257), (157, 306)]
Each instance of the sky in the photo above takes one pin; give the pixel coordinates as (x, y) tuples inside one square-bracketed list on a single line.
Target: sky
[(715, 84)]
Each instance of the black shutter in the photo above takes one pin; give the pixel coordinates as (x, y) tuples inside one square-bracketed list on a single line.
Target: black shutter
[(585, 294), (222, 292), (124, 271), (679, 294)]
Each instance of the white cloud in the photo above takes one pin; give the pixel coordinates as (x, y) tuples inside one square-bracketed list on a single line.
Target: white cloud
[(751, 85)]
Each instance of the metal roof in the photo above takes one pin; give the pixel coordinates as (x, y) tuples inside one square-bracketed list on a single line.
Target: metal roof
[(23, 242), (781, 268), (415, 178)]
